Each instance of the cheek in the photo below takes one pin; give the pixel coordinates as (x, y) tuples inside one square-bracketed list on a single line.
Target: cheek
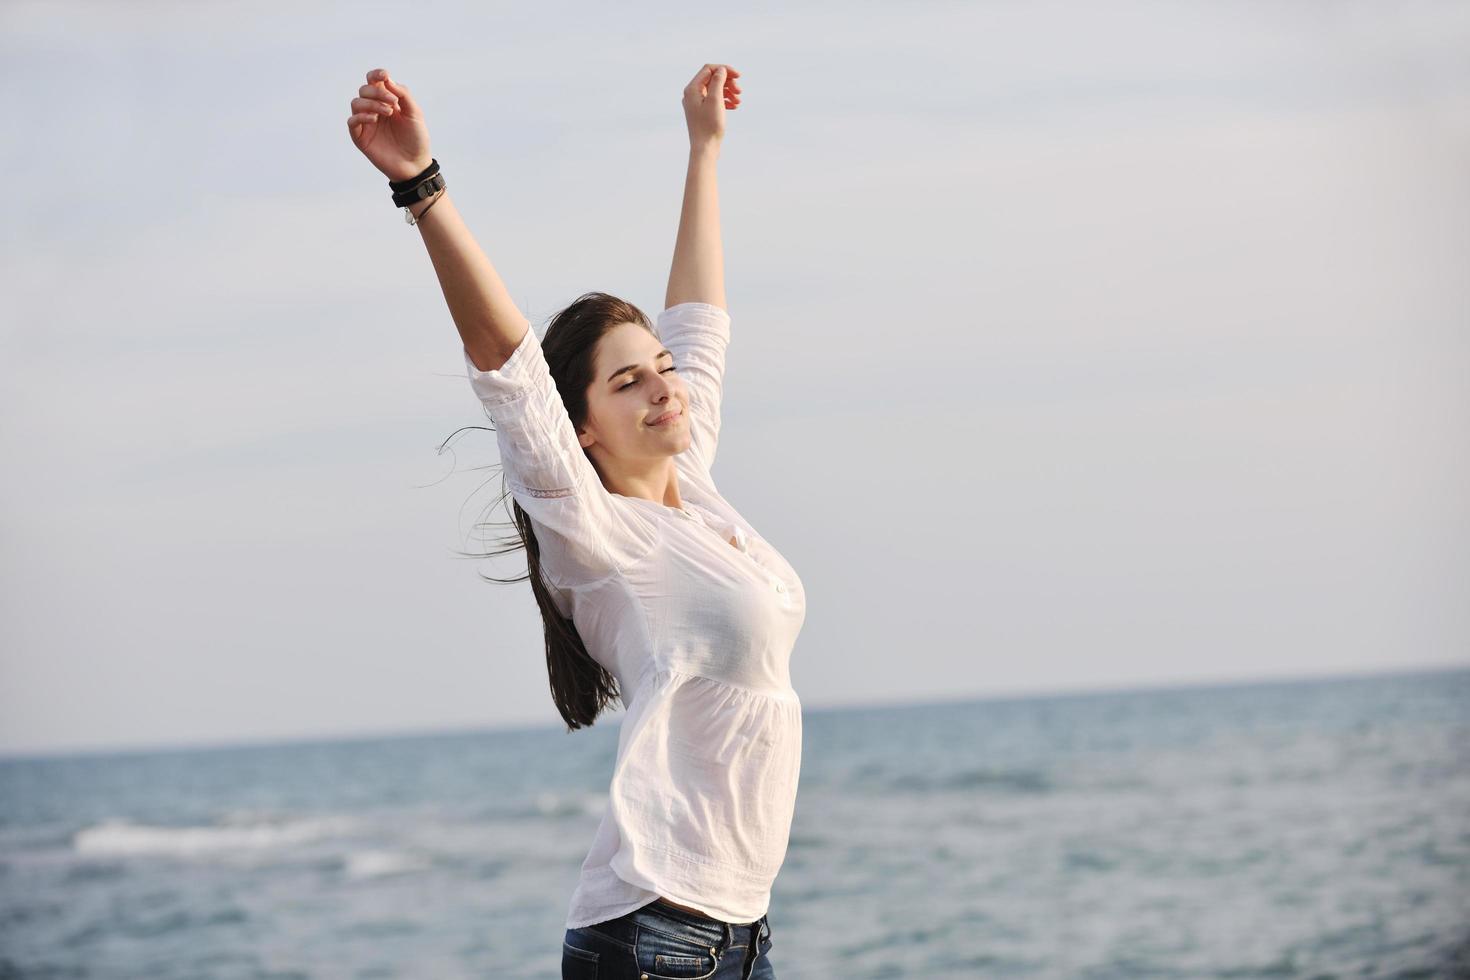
[(607, 410), (622, 412)]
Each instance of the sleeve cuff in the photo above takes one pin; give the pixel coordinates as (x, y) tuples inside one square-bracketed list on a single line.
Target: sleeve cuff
[(512, 379), (703, 316)]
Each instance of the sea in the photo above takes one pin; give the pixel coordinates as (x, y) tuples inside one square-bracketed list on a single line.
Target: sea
[(1307, 828)]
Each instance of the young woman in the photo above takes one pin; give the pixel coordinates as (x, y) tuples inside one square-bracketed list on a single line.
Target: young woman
[(652, 587)]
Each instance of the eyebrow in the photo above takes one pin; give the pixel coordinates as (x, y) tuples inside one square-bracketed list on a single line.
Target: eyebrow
[(633, 367)]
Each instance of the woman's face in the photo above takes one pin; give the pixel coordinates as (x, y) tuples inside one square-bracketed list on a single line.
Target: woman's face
[(634, 383)]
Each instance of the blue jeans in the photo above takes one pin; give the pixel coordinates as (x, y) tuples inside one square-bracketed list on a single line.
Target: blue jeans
[(661, 942)]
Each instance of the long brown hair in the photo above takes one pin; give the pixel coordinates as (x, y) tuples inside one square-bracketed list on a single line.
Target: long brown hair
[(580, 687)]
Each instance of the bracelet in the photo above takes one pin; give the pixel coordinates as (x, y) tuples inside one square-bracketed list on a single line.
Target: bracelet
[(421, 186), (429, 171), (418, 192), (408, 214)]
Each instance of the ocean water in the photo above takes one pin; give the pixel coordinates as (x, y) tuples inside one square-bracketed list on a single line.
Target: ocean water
[(1311, 829)]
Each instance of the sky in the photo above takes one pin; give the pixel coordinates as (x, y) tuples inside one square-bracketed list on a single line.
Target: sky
[(1075, 346)]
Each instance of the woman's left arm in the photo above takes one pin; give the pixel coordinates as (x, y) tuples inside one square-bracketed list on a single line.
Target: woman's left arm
[(698, 272)]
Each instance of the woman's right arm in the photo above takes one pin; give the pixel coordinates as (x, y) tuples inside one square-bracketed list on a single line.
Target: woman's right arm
[(388, 126), (489, 322), (543, 461)]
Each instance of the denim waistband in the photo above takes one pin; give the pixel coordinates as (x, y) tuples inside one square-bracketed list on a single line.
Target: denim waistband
[(659, 915), (674, 912)]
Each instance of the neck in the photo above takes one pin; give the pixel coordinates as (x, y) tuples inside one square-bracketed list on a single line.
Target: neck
[(660, 485)]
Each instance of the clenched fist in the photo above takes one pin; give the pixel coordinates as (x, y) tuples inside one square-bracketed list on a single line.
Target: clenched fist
[(388, 127), (708, 94)]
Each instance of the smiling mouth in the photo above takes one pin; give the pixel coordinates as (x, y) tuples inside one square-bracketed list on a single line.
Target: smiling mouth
[(666, 419)]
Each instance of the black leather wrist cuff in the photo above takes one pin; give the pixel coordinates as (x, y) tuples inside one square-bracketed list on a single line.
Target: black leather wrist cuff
[(418, 193), (403, 185)]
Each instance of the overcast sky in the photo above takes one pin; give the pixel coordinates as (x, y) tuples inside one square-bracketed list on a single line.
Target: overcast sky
[(1075, 345)]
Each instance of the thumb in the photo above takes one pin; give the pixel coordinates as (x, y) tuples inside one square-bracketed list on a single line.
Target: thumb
[(403, 94)]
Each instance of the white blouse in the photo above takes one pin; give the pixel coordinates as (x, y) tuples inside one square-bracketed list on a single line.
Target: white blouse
[(697, 631)]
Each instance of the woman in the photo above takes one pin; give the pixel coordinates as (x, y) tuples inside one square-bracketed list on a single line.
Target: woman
[(652, 587)]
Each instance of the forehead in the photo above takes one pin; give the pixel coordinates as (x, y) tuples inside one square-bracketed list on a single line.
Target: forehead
[(626, 343)]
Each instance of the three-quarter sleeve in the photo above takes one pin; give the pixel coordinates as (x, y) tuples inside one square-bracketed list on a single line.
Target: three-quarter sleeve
[(549, 474), (697, 334)]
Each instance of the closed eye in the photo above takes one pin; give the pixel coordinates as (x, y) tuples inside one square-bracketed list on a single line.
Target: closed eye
[(634, 382)]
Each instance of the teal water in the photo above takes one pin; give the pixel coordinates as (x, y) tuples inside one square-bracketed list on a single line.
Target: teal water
[(1314, 829)]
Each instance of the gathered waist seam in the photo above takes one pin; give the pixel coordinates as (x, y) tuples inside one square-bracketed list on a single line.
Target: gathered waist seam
[(774, 693)]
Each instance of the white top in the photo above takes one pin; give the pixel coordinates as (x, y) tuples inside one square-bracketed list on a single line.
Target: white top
[(697, 631)]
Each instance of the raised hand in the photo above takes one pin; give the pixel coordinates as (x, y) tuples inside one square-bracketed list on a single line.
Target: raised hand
[(712, 91), (388, 127)]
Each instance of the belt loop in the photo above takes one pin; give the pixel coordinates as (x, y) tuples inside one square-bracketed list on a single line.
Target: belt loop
[(729, 936)]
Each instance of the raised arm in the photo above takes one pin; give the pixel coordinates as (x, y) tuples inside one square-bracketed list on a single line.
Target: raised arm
[(582, 535), (388, 126), (698, 272)]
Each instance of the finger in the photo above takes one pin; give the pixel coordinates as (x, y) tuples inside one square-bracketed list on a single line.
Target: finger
[(359, 126), (371, 105), (405, 98), (699, 82), (378, 92)]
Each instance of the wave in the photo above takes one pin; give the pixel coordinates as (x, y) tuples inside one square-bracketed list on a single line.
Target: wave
[(361, 865), (550, 804), (123, 837)]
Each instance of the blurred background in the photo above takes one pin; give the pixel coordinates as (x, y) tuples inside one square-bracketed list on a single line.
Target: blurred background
[(1102, 369)]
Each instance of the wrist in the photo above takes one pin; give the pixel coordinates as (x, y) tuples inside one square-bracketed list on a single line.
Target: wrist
[(408, 171), (419, 207), (705, 149), (417, 194)]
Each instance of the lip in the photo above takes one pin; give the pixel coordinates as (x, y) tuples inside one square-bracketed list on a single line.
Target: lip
[(666, 418)]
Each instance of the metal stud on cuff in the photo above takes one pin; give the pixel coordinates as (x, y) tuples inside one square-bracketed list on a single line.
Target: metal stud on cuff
[(419, 191)]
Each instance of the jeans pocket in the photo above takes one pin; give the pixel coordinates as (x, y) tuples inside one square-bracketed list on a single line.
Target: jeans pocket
[(577, 963), (662, 956)]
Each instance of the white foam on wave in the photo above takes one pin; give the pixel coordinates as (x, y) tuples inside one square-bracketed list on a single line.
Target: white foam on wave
[(563, 805), (550, 804), (123, 837), (376, 864)]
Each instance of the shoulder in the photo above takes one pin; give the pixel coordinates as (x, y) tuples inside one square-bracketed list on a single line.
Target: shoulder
[(625, 537)]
